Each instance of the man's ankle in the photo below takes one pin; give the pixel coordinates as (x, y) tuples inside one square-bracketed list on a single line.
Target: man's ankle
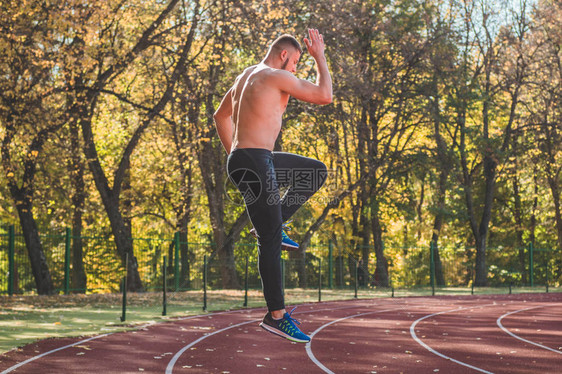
[(278, 314)]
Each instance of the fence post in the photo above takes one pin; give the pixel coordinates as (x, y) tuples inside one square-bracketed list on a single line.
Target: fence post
[(205, 283), (68, 238), (164, 301), (320, 281), (11, 259), (330, 264), (177, 261), (531, 275), (432, 268), (472, 283), (124, 310), (546, 274), (246, 284), (356, 279)]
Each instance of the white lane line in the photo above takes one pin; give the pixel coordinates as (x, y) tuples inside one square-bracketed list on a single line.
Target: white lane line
[(49, 352), (420, 342), (499, 322), (172, 363), (12, 368), (308, 345)]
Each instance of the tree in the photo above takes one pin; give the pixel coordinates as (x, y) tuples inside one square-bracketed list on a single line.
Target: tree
[(30, 112), (543, 105), (380, 56), (480, 88), (106, 62)]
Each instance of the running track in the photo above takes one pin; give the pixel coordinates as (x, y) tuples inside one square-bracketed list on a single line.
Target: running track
[(472, 334)]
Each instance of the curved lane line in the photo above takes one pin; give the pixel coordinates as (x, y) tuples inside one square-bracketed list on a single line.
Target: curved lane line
[(12, 368), (171, 364), (49, 352), (420, 342), (308, 345), (499, 323)]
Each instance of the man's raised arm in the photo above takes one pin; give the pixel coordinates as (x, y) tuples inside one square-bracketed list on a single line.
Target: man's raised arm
[(319, 93)]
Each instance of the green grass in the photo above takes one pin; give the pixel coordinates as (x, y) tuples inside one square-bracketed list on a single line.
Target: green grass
[(25, 319)]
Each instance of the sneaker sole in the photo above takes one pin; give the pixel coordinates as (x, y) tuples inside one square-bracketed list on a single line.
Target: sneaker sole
[(289, 248), (281, 333)]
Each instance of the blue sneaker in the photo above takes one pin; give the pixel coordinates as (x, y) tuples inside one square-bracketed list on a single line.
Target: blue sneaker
[(287, 243), (285, 327)]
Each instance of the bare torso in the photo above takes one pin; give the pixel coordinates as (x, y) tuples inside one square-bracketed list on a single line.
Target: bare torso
[(258, 107)]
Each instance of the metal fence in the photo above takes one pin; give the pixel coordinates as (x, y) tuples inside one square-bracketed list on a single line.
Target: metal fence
[(193, 266)]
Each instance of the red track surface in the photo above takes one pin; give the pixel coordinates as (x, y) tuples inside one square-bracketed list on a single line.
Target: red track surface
[(409, 335)]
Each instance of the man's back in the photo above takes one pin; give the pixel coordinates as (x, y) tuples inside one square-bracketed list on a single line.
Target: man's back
[(250, 113), (258, 106)]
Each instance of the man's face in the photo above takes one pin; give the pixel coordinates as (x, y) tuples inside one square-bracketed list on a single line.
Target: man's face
[(290, 64)]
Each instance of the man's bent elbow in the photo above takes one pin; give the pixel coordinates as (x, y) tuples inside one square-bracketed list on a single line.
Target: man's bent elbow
[(325, 100)]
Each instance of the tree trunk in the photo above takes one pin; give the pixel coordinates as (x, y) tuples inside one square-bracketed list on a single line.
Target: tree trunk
[(79, 280), (23, 198), (213, 171), (35, 251), (121, 231), (299, 255), (365, 235), (298, 262), (533, 223), (555, 190), (518, 216), (381, 269), (439, 278), (124, 243), (76, 167), (445, 165), (481, 270), (437, 225), (185, 274), (227, 249), (364, 257), (24, 207)]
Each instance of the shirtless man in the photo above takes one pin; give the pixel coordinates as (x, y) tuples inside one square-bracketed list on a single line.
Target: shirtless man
[(248, 122)]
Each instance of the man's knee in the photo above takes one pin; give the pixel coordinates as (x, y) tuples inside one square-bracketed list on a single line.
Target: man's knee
[(269, 233), (321, 173)]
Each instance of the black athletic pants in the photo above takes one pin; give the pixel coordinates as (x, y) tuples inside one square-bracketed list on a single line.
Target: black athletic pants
[(258, 174)]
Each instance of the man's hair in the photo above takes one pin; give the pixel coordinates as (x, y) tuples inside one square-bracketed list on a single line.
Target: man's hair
[(285, 41)]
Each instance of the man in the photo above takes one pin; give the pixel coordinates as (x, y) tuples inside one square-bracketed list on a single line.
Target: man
[(248, 123)]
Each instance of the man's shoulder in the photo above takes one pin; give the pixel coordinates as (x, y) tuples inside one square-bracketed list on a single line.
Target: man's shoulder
[(277, 75), (267, 75), (250, 69), (267, 71), (246, 72)]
